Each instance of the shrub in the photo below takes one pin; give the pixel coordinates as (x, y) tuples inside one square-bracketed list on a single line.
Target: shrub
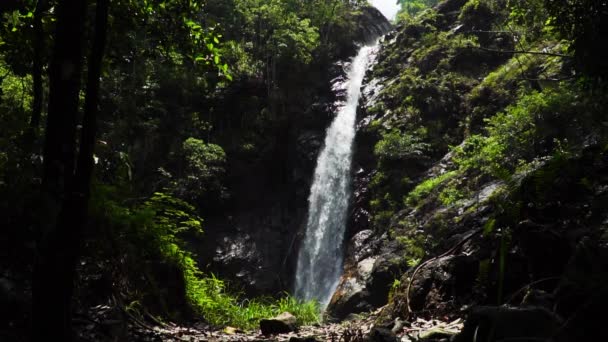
[(202, 172), (426, 188), (414, 248), (477, 14), (395, 145), (151, 233)]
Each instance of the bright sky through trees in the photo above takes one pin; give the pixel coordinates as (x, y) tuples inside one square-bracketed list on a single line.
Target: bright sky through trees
[(388, 7)]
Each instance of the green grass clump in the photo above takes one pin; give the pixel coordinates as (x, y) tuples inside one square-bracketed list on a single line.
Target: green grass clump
[(427, 187), (211, 299)]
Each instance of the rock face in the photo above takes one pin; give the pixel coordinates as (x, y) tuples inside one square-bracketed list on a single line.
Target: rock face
[(254, 243), (372, 24), (283, 323), (533, 222), (510, 323)]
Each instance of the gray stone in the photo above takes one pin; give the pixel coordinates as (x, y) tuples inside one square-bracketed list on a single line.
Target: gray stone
[(381, 335), (303, 339), (281, 324)]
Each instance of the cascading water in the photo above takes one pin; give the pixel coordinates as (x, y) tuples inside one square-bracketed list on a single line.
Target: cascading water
[(320, 258)]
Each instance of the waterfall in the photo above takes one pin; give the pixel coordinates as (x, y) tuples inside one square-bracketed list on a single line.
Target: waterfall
[(321, 256)]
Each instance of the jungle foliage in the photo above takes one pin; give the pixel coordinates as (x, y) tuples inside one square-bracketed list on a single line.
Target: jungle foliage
[(165, 132)]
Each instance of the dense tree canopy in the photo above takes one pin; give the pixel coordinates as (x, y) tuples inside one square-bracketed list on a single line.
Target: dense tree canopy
[(156, 157)]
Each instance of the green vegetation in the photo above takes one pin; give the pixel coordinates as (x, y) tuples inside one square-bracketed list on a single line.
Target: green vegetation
[(165, 107), (498, 114), (526, 131), (397, 146), (414, 247), (155, 230), (394, 287), (213, 301), (127, 124), (583, 22), (410, 8), (427, 187)]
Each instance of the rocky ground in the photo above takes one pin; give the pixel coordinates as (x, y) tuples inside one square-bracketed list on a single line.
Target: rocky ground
[(104, 323)]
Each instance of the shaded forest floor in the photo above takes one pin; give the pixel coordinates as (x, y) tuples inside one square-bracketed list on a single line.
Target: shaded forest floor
[(103, 323)]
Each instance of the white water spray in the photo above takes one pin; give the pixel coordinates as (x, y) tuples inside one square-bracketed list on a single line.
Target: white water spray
[(321, 256)]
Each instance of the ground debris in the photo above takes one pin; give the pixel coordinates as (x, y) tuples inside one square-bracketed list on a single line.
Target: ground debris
[(430, 330), (108, 323)]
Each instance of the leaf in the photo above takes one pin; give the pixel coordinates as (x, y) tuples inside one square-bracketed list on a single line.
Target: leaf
[(217, 41), (216, 59)]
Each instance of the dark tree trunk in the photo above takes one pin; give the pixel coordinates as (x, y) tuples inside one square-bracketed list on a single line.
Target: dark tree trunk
[(38, 46), (64, 176), (64, 87), (11, 5)]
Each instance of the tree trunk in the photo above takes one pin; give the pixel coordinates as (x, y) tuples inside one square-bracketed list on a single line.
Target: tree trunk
[(38, 48), (58, 252), (37, 66), (64, 87)]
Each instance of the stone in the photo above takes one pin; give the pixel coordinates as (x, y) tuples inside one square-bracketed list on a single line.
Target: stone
[(349, 298), (281, 324), (497, 323), (381, 335), (303, 339)]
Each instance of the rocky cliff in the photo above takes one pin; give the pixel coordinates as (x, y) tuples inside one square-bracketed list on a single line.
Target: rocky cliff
[(253, 243), (476, 182)]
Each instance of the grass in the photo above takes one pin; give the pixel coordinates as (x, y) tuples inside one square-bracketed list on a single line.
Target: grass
[(425, 188), (210, 298)]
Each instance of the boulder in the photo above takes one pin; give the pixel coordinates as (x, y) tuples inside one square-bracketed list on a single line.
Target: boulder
[(281, 324), (349, 298), (372, 24), (381, 335)]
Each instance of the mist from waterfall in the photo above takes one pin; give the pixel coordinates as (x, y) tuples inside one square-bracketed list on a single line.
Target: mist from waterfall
[(320, 259)]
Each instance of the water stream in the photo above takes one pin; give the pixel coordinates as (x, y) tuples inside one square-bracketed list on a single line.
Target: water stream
[(321, 256)]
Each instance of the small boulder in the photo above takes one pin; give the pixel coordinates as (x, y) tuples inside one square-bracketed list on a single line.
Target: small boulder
[(303, 339), (381, 335), (281, 324)]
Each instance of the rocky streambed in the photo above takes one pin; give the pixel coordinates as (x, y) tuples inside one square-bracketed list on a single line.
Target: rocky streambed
[(101, 324)]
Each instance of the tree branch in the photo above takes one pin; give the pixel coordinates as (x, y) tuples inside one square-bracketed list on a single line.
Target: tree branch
[(523, 52)]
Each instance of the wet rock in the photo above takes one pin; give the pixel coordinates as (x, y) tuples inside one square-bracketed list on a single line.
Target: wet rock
[(349, 298), (373, 24), (281, 324), (368, 276), (386, 269), (361, 248), (309, 144)]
